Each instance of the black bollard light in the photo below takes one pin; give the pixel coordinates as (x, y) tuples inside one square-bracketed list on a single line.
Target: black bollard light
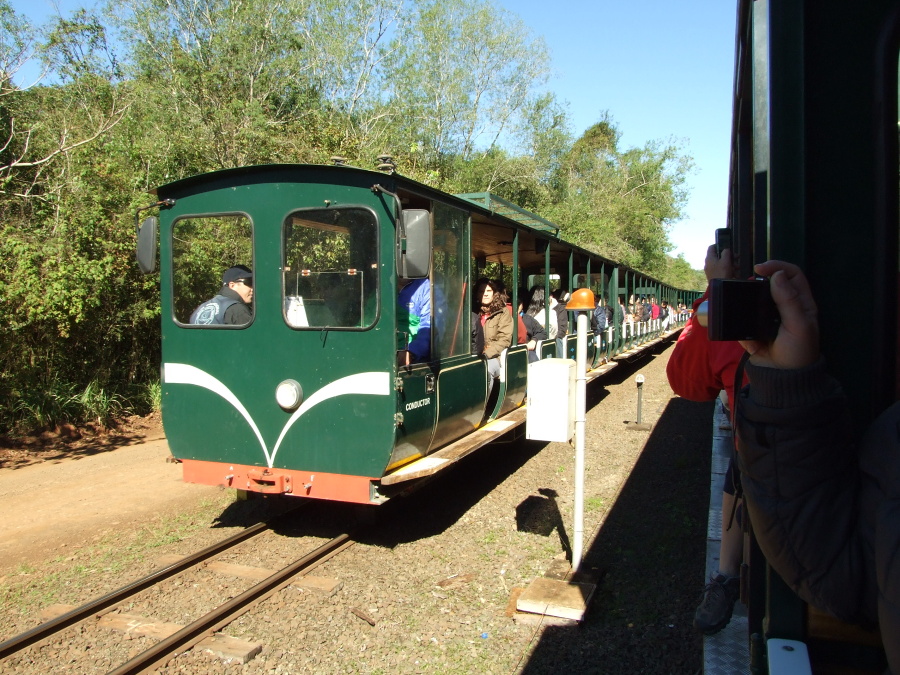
[(639, 425), (640, 386)]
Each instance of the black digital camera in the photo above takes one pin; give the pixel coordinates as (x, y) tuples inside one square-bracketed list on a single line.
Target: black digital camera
[(741, 310), (723, 240)]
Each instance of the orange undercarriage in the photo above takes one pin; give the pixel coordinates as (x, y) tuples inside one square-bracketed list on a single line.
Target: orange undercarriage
[(329, 486)]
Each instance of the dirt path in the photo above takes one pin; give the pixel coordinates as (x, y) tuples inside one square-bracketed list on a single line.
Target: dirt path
[(53, 505)]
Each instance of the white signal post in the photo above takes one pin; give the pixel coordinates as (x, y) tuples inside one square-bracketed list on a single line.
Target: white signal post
[(582, 302)]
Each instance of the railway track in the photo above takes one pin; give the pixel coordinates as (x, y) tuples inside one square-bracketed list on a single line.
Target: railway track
[(221, 616), (205, 626)]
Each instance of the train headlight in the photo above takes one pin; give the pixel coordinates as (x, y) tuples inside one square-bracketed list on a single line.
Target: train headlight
[(289, 394)]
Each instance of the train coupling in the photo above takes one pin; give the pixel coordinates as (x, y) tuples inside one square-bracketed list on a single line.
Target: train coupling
[(269, 482)]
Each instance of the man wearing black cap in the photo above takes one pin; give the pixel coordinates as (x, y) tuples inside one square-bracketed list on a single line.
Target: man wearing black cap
[(231, 306)]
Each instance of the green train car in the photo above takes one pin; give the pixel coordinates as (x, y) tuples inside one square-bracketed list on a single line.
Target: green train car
[(814, 181), (305, 397)]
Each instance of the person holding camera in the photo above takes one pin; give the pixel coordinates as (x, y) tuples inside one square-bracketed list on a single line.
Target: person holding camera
[(699, 370), (825, 512)]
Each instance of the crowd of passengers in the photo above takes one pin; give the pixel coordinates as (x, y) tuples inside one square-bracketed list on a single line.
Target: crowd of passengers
[(492, 321), (640, 316)]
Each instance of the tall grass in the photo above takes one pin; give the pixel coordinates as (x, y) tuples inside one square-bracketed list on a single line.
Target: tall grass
[(100, 405), (151, 396), (62, 402), (40, 408)]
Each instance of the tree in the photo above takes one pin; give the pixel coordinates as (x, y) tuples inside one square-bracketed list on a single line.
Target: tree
[(679, 274), (463, 72), (76, 52), (621, 203), (231, 75)]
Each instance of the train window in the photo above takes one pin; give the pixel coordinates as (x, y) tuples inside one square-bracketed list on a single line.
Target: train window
[(330, 270), (203, 247), (451, 333)]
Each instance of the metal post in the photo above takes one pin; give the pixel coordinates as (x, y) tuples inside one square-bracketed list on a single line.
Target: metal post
[(580, 414), (582, 302)]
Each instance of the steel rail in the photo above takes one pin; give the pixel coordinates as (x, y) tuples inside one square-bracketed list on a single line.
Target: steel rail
[(48, 628), (206, 625)]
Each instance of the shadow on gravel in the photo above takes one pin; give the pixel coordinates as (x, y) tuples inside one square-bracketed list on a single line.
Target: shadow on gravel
[(457, 489), (540, 515), (650, 555)]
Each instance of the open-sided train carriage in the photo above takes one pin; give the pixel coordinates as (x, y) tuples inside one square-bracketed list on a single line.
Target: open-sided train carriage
[(307, 398)]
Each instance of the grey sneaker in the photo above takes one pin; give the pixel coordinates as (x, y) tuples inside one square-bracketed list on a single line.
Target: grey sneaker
[(715, 609)]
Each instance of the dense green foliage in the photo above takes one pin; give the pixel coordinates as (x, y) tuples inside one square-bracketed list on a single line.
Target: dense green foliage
[(154, 90)]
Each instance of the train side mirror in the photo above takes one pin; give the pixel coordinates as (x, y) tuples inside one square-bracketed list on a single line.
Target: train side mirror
[(146, 244), (414, 244)]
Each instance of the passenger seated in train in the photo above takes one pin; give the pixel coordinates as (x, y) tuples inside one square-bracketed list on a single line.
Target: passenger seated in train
[(500, 287), (231, 305), (558, 300), (535, 309), (477, 334), (534, 334), (558, 312), (495, 320), (600, 321), (414, 315), (825, 506), (665, 315)]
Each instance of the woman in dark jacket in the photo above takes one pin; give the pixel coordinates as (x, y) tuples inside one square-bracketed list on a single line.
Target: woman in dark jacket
[(534, 331), (560, 297)]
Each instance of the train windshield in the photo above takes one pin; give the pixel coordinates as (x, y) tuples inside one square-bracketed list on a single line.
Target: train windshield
[(330, 269), (203, 248)]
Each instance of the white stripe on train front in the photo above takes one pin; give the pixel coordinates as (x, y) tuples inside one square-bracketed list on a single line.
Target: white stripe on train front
[(372, 383)]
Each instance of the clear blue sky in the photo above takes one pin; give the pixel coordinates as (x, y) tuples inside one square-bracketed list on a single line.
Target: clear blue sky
[(662, 69)]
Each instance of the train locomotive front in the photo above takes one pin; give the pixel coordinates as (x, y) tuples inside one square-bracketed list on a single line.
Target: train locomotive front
[(302, 398)]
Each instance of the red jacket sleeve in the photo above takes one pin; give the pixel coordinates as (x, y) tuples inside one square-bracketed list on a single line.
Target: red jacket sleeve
[(698, 368)]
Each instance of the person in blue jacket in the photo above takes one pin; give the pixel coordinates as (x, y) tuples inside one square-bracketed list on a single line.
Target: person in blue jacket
[(414, 315)]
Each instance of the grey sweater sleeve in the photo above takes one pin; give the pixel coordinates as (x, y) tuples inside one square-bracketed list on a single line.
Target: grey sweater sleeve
[(802, 488)]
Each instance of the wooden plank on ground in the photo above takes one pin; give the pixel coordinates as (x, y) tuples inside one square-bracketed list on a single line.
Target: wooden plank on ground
[(138, 625), (230, 649), (242, 571), (323, 585), (564, 599)]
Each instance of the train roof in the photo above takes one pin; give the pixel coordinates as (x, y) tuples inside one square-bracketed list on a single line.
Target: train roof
[(491, 209), (490, 203), (504, 207)]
